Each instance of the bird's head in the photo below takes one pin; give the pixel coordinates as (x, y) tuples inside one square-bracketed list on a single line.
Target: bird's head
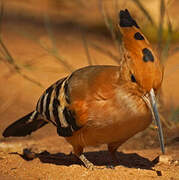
[(141, 64)]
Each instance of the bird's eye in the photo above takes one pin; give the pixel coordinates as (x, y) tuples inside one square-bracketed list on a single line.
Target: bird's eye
[(133, 78)]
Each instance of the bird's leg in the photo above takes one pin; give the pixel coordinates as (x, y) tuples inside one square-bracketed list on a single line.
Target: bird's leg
[(86, 162), (78, 151), (112, 148)]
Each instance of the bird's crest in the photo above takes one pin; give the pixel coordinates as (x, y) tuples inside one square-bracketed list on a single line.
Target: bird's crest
[(142, 60)]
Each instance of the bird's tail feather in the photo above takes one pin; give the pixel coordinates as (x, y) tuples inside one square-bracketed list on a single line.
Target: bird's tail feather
[(24, 126)]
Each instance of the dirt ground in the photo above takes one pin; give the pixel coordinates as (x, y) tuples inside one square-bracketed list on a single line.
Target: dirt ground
[(52, 158)]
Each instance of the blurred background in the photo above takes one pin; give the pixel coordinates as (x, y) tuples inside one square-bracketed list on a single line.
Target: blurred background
[(42, 41)]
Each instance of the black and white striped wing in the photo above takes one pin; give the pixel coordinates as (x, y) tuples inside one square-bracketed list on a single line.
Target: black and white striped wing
[(53, 106)]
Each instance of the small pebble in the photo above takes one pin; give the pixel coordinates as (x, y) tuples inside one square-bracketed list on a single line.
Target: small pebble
[(28, 154), (166, 159), (176, 162)]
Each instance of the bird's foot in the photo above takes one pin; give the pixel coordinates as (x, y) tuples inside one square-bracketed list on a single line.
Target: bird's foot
[(110, 166), (86, 162)]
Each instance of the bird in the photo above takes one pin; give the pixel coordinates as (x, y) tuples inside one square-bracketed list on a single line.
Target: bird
[(102, 104)]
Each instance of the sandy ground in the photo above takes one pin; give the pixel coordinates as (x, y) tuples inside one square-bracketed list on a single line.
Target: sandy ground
[(138, 158)]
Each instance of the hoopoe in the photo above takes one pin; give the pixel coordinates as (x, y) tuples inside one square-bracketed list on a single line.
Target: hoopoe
[(102, 104)]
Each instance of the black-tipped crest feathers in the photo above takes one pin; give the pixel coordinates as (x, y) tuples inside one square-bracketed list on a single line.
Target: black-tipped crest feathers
[(126, 20)]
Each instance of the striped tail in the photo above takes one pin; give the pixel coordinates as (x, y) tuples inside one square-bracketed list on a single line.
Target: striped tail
[(24, 126)]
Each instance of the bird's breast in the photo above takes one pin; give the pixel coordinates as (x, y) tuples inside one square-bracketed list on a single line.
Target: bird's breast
[(114, 120)]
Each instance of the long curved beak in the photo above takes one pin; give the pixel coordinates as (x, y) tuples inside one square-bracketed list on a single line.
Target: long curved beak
[(157, 119), (151, 102)]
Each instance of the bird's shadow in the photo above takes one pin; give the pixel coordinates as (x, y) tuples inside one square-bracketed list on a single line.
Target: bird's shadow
[(100, 158)]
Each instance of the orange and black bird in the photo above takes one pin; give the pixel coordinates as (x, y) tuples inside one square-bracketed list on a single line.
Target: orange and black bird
[(102, 104)]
